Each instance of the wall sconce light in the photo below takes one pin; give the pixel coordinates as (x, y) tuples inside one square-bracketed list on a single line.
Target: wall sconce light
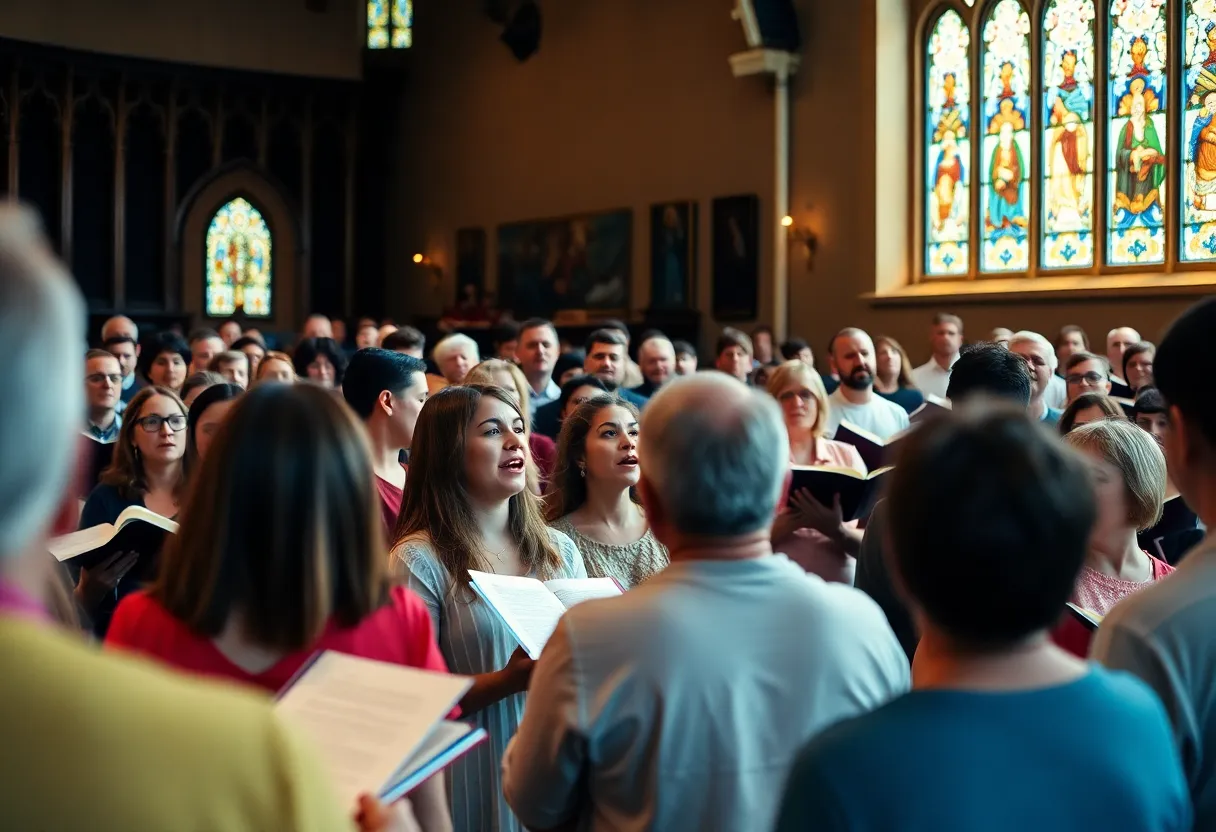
[(802, 235), (434, 268)]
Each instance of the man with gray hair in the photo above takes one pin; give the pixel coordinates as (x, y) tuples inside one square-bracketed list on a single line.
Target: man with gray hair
[(681, 704), (1040, 358), (188, 750)]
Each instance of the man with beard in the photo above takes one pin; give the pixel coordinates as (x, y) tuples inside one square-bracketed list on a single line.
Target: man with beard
[(855, 400)]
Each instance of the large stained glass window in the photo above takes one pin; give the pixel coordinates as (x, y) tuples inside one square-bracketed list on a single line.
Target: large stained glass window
[(1005, 147), (239, 264), (1137, 132), (1068, 134), (1198, 191), (390, 24), (948, 147)]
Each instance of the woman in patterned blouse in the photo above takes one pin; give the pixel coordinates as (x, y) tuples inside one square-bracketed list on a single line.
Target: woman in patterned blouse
[(591, 497)]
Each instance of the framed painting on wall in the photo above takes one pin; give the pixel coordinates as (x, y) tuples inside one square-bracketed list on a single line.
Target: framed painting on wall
[(579, 262), (736, 248), (470, 260), (673, 255)]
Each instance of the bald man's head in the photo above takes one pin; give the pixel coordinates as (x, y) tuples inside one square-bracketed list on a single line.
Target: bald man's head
[(120, 325), (1117, 342), (713, 455)]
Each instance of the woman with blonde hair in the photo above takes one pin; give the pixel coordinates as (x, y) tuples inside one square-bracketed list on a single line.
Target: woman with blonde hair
[(467, 506), (1128, 474), (814, 536), (593, 496), (893, 374), (504, 374)]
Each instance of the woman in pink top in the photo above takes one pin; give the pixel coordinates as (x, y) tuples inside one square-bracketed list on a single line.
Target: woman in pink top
[(808, 533), (1129, 483)]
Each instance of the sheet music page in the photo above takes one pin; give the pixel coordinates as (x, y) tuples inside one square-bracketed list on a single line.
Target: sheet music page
[(525, 604), (367, 717), (571, 591)]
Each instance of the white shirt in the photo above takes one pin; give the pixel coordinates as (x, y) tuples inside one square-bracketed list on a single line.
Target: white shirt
[(685, 701), (1057, 393), (879, 416), (931, 378)]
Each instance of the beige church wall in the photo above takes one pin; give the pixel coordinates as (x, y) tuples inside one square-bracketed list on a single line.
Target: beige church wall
[(627, 103), (267, 35)]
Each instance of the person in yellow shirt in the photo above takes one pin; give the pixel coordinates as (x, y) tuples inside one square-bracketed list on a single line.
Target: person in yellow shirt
[(105, 742)]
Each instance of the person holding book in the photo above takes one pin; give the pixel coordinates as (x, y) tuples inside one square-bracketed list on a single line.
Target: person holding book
[(680, 704), (853, 357), (813, 535), (893, 374), (148, 469), (981, 370), (504, 374), (103, 387), (281, 555), (1128, 472), (165, 362), (1163, 634), (176, 752), (593, 496), (206, 415), (1003, 731), (1087, 408), (387, 390), (467, 506)]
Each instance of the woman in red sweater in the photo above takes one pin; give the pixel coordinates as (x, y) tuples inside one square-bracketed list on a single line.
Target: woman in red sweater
[(281, 554)]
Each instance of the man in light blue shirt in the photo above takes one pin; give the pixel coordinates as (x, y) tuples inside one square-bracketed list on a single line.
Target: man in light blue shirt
[(537, 353), (681, 704)]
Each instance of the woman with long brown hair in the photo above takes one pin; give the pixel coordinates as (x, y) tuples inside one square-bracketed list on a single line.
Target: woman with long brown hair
[(893, 374), (149, 470), (592, 497), (281, 554), (467, 506)]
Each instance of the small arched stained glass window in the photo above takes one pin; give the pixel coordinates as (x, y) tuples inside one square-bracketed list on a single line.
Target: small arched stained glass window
[(390, 24), (239, 265)]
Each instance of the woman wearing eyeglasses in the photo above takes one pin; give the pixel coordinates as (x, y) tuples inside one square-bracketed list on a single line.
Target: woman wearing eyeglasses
[(148, 470)]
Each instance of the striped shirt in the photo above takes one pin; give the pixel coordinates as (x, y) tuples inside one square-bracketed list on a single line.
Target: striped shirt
[(474, 640)]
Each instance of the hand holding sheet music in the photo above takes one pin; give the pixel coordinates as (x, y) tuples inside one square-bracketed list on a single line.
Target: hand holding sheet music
[(379, 726)]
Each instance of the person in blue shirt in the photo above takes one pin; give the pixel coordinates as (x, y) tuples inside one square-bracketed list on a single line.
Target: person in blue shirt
[(1003, 731)]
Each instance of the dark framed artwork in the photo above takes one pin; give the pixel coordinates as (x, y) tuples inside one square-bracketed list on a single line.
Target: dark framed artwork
[(673, 255), (579, 262), (736, 248), (470, 260)]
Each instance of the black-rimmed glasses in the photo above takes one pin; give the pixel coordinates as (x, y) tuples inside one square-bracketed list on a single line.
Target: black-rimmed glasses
[(151, 424)]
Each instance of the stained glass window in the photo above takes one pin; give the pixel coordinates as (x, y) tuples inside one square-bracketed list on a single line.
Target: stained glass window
[(1198, 131), (390, 24), (239, 261), (1005, 147), (948, 147), (1137, 137), (1068, 134)]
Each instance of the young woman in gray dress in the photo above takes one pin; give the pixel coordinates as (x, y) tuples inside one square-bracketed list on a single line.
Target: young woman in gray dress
[(467, 506)]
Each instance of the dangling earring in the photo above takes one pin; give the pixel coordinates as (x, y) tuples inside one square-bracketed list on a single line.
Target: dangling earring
[(582, 471)]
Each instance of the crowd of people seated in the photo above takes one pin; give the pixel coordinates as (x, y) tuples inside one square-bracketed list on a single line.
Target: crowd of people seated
[(1014, 636)]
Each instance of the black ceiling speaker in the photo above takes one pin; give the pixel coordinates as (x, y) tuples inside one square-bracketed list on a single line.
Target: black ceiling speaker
[(522, 32), (770, 24)]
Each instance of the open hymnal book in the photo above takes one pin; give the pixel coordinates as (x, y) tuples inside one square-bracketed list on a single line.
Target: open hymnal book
[(1089, 618), (858, 492), (875, 452), (136, 530), (530, 608), (931, 407), (379, 727)]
